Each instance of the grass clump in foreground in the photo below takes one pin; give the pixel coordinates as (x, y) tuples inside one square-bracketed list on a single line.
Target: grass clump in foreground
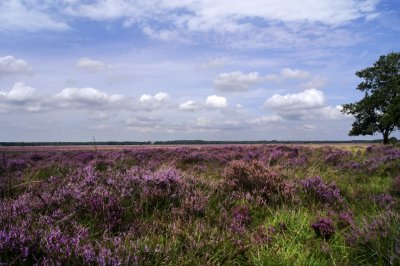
[(233, 205)]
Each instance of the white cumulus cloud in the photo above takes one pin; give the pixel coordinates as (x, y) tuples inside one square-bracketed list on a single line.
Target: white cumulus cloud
[(19, 93), (150, 102), (10, 65), (86, 97), (236, 81), (306, 105), (216, 102), (20, 97), (159, 97), (307, 99)]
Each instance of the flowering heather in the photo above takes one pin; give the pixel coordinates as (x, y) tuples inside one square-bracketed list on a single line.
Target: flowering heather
[(199, 205), (336, 157), (257, 178), (384, 201), (345, 219), (16, 164), (396, 185), (325, 192), (249, 176), (377, 237), (241, 219), (324, 227)]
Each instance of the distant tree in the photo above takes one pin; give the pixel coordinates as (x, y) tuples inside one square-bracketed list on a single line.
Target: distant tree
[(379, 110)]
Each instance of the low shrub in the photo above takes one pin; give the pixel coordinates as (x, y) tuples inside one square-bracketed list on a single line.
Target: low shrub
[(323, 227)]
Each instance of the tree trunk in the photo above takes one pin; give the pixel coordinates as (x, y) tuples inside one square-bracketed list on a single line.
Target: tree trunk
[(385, 138)]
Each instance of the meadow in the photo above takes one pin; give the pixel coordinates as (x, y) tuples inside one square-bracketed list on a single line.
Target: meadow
[(201, 205)]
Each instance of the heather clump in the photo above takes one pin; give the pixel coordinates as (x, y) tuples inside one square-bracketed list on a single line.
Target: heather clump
[(336, 157), (321, 190), (377, 237), (194, 203), (241, 219), (256, 177), (323, 227), (16, 164), (345, 219), (249, 176), (383, 201), (162, 188)]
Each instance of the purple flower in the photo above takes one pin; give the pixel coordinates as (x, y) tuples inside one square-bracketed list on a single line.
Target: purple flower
[(241, 219), (384, 201), (345, 219), (16, 164), (327, 193), (324, 227)]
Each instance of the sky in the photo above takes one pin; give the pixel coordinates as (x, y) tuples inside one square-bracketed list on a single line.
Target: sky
[(145, 70)]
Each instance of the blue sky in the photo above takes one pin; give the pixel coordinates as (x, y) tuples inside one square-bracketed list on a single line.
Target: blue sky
[(188, 69)]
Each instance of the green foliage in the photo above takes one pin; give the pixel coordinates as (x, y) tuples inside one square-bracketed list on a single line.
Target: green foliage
[(379, 110)]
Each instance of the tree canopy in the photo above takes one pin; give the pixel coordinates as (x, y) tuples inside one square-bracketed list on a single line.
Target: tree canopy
[(379, 110)]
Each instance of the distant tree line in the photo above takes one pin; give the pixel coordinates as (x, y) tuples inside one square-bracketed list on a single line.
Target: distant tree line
[(187, 142)]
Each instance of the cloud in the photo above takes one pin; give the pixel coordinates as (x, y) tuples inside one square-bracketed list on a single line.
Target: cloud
[(20, 97), (307, 99), (315, 82), (12, 66), (264, 120), (236, 81), (89, 64), (28, 16), (306, 105), (216, 102), (159, 97), (19, 93), (198, 15), (149, 102), (251, 24), (86, 98), (288, 73), (212, 102), (333, 113), (189, 106)]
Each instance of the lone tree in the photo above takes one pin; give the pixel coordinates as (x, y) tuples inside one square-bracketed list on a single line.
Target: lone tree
[(379, 110)]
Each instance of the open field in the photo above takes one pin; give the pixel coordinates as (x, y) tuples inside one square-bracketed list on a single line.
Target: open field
[(94, 147), (200, 205)]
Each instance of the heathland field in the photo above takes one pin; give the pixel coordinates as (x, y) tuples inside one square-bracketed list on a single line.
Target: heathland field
[(201, 205)]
